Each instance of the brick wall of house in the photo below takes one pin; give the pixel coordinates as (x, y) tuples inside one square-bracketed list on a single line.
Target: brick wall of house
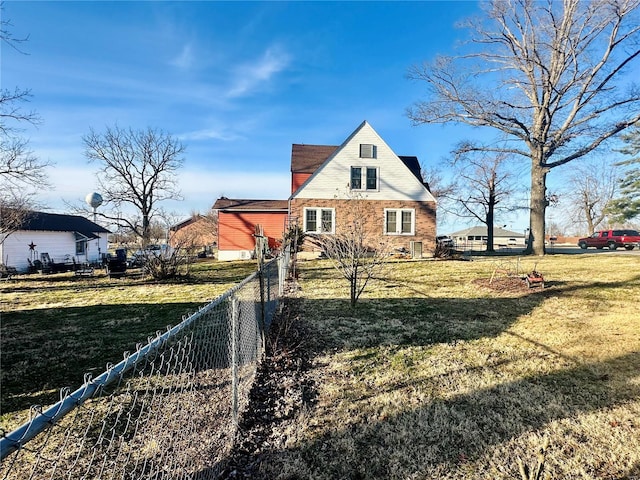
[(373, 212), (200, 232)]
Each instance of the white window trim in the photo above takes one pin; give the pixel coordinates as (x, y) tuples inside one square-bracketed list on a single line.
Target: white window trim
[(319, 219), (374, 151), (363, 178), (399, 221), (81, 247)]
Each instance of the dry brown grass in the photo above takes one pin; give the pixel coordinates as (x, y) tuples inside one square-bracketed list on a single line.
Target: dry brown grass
[(56, 328), (434, 376)]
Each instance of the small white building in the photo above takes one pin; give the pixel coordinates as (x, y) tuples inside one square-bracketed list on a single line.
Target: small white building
[(475, 238), (66, 238)]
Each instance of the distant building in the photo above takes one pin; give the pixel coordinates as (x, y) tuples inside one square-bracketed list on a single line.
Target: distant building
[(66, 238), (199, 233), (476, 238)]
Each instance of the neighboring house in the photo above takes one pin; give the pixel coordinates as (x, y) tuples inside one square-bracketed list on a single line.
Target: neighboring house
[(63, 237), (399, 209), (324, 179), (200, 232), (476, 238), (237, 221)]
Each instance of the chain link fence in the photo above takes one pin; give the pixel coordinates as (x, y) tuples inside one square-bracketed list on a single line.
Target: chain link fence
[(168, 410)]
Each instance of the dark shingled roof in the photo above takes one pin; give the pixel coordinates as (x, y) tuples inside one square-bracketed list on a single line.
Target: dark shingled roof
[(55, 222), (412, 164), (307, 158), (225, 203)]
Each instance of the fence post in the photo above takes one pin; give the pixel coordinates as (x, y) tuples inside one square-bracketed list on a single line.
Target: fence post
[(235, 344), (262, 320)]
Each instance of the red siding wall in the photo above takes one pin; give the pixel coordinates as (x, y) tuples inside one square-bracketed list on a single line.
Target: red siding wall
[(298, 179), (236, 229)]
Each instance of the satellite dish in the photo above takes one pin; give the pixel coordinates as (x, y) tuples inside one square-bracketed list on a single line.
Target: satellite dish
[(94, 199)]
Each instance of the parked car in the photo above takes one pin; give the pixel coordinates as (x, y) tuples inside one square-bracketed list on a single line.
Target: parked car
[(444, 240), (611, 239)]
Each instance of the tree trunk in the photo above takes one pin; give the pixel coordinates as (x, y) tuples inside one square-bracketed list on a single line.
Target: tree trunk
[(146, 230), (490, 216), (538, 207)]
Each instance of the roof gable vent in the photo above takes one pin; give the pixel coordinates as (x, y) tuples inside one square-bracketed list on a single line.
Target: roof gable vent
[(367, 150)]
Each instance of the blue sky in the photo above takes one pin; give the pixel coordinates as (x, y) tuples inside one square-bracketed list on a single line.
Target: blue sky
[(236, 82)]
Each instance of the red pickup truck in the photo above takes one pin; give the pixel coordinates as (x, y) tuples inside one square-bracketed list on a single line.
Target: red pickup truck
[(612, 239)]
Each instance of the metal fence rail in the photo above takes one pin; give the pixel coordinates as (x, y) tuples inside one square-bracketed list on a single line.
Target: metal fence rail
[(169, 410)]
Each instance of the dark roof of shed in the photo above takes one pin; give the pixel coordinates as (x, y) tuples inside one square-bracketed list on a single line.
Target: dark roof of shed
[(224, 203), (55, 222)]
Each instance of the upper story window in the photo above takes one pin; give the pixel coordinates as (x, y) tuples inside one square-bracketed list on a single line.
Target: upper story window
[(367, 150), (356, 178), (319, 220), (364, 178)]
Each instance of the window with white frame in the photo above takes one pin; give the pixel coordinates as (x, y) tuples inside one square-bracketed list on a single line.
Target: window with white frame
[(81, 247), (364, 178), (356, 178), (319, 220), (399, 221), (368, 150)]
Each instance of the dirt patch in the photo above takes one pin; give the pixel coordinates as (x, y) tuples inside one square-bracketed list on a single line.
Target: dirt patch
[(281, 389), (505, 284)]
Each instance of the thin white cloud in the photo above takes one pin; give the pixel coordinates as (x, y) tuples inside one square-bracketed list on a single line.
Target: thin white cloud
[(213, 133), (185, 59), (251, 76)]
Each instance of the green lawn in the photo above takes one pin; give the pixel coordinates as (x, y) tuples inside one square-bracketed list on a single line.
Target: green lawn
[(439, 375), (56, 328)]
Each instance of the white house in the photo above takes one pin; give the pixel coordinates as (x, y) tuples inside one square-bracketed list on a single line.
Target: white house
[(476, 238), (66, 238)]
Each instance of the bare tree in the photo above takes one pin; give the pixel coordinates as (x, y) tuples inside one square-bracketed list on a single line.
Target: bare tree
[(138, 168), (164, 260), (485, 188), (354, 250), (441, 189), (436, 183), (546, 74), (591, 187), (20, 169)]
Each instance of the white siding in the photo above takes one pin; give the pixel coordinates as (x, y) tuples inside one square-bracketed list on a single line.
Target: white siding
[(228, 255), (395, 180), (16, 252)]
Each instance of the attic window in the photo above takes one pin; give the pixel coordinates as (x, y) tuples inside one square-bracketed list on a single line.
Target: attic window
[(367, 150)]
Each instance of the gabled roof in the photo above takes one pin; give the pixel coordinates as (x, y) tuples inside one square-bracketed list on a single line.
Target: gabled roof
[(400, 184), (412, 164), (55, 222), (193, 219), (228, 204), (307, 158)]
